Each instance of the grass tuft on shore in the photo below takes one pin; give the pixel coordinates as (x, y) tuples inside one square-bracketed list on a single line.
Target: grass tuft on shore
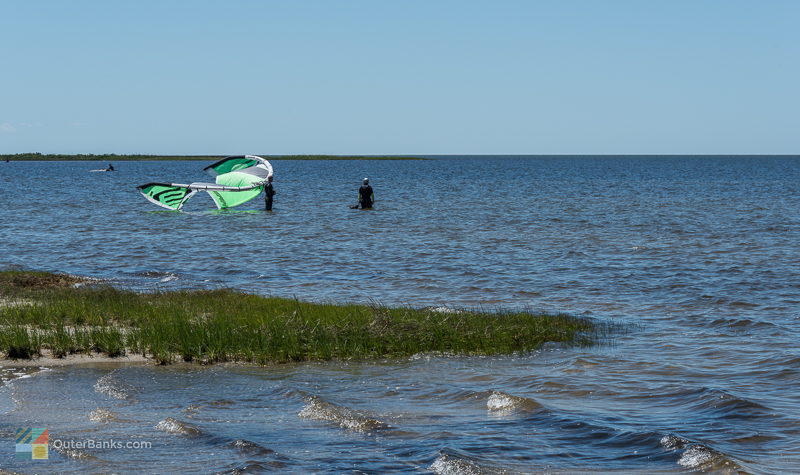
[(224, 325)]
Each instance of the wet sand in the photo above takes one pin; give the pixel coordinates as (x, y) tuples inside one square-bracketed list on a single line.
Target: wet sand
[(72, 360)]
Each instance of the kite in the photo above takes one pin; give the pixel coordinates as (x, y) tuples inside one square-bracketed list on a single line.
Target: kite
[(238, 180)]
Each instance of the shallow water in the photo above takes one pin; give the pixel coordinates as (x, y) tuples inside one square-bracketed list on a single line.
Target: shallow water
[(699, 255)]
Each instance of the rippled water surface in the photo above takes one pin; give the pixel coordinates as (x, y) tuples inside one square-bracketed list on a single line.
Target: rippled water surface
[(698, 255)]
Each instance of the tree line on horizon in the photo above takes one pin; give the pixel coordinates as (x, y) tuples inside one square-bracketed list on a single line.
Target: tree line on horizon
[(33, 156)]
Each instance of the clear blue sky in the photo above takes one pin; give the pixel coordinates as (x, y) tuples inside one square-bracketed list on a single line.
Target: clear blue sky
[(400, 77)]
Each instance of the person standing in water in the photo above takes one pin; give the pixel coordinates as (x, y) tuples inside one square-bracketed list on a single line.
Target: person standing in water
[(269, 192), (365, 195)]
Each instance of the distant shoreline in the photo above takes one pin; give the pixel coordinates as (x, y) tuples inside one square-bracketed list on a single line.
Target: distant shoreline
[(53, 157), (111, 157)]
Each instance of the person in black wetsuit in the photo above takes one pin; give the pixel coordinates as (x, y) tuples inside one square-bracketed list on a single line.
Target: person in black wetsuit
[(269, 192), (365, 195), (110, 168)]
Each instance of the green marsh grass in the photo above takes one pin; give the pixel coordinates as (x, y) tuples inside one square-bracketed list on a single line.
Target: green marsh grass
[(209, 326)]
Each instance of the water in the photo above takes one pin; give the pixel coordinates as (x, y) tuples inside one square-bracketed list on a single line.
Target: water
[(698, 255)]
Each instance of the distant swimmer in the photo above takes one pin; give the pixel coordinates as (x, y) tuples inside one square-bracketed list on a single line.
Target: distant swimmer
[(365, 195), (109, 168), (269, 192)]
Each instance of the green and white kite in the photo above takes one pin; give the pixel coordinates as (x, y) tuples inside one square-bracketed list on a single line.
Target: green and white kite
[(238, 180)]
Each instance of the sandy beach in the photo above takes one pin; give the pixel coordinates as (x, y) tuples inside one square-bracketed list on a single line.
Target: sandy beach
[(48, 361)]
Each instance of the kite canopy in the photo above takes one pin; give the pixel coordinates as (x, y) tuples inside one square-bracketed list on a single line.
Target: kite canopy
[(167, 195), (239, 179)]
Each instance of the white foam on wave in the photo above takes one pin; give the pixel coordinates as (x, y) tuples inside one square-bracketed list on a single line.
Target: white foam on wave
[(8, 376), (501, 402), (673, 442), (448, 465), (174, 426), (346, 418), (108, 385), (696, 456)]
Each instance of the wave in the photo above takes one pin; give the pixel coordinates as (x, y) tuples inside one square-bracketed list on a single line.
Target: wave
[(452, 462), (255, 467), (449, 465), (319, 409), (722, 403), (786, 360), (260, 458), (713, 403), (110, 385), (503, 403), (742, 323), (220, 403), (250, 448), (700, 457), (174, 426)]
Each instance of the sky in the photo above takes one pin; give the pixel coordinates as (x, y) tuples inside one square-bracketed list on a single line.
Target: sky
[(378, 77)]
